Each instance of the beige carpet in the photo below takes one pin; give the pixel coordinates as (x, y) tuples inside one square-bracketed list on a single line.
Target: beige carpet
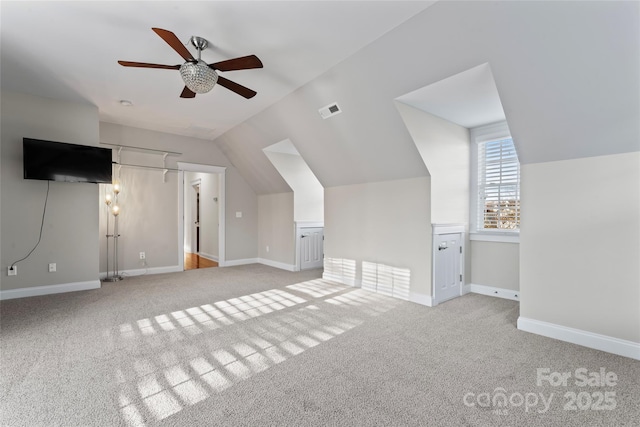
[(253, 346)]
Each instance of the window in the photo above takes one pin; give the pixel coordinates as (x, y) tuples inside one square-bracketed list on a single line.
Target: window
[(498, 186), (495, 202)]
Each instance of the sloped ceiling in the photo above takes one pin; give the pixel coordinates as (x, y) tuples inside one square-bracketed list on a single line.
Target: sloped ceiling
[(69, 50), (567, 74), (469, 98)]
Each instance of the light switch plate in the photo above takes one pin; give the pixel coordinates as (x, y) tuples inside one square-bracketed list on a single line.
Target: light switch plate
[(238, 214)]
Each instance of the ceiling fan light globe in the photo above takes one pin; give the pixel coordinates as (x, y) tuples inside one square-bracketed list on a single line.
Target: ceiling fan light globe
[(198, 76)]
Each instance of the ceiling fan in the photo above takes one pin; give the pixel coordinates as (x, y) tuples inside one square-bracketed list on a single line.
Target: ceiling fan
[(198, 76)]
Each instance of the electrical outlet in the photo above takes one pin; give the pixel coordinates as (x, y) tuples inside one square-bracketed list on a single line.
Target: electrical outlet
[(12, 271), (143, 255), (52, 267), (267, 248), (238, 214)]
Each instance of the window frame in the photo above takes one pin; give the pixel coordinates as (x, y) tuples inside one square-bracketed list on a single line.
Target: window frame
[(480, 134)]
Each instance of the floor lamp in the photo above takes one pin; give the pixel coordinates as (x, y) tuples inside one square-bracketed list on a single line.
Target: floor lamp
[(115, 210)]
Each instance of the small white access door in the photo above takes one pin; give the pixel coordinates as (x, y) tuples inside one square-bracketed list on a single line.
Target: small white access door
[(447, 266), (311, 248)]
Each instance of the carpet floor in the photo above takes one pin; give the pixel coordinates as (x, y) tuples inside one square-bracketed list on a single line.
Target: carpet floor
[(254, 345)]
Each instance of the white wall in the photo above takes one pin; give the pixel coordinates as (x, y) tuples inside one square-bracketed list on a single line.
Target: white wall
[(580, 244), (241, 233), (444, 147), (308, 193), (386, 223), (70, 233), (277, 228)]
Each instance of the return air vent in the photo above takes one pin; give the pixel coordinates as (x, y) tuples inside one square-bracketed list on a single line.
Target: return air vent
[(329, 110)]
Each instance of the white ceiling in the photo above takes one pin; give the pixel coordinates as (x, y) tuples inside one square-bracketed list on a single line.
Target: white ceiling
[(469, 98), (68, 50)]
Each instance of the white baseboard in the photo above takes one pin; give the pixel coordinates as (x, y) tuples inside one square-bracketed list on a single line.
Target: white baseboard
[(349, 281), (208, 256), (494, 292), (49, 289), (466, 289), (584, 338), (277, 264), (236, 262), (419, 298), (141, 271)]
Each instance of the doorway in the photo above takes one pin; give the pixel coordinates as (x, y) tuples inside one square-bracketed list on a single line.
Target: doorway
[(201, 216), (201, 233)]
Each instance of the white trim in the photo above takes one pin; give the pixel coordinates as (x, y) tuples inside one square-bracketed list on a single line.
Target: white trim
[(342, 280), (208, 256), (466, 288), (221, 171), (584, 338), (422, 299), (144, 271), (495, 292), (447, 228), (276, 264), (236, 262), (504, 238), (309, 224), (490, 132), (49, 289)]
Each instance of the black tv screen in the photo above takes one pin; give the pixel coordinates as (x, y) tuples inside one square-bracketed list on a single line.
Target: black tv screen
[(57, 161)]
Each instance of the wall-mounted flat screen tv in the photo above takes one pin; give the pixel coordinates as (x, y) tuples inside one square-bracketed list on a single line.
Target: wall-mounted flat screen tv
[(58, 161)]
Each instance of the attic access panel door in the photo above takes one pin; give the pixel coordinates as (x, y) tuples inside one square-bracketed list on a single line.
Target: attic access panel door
[(447, 267), (311, 248)]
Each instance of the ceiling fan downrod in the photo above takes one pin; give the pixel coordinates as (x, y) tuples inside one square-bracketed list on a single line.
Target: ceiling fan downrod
[(200, 44)]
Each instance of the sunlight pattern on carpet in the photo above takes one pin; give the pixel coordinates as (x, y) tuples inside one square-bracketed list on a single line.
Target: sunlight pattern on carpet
[(217, 349)]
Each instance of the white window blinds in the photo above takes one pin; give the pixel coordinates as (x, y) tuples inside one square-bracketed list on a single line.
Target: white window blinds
[(498, 186)]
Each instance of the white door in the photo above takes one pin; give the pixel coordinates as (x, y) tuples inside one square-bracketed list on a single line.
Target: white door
[(448, 277), (311, 248)]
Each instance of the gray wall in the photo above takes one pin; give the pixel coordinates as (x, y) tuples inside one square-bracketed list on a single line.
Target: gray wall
[(495, 264), (277, 228), (580, 244), (70, 233), (147, 219), (386, 223), (241, 233)]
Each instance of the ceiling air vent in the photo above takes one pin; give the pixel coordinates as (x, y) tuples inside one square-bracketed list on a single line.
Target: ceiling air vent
[(329, 110)]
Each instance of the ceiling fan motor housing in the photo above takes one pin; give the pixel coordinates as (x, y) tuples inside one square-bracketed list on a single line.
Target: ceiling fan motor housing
[(198, 76)]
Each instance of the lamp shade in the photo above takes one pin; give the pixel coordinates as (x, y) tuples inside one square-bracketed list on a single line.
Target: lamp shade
[(198, 76)]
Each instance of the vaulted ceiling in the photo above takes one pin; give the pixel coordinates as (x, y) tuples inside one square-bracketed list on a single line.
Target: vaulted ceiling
[(567, 73), (69, 50)]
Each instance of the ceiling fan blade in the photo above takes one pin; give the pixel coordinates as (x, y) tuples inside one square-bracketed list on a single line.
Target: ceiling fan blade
[(146, 65), (237, 88), (242, 63), (187, 93), (175, 43)]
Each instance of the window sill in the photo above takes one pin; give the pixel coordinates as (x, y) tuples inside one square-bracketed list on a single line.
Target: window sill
[(495, 237)]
